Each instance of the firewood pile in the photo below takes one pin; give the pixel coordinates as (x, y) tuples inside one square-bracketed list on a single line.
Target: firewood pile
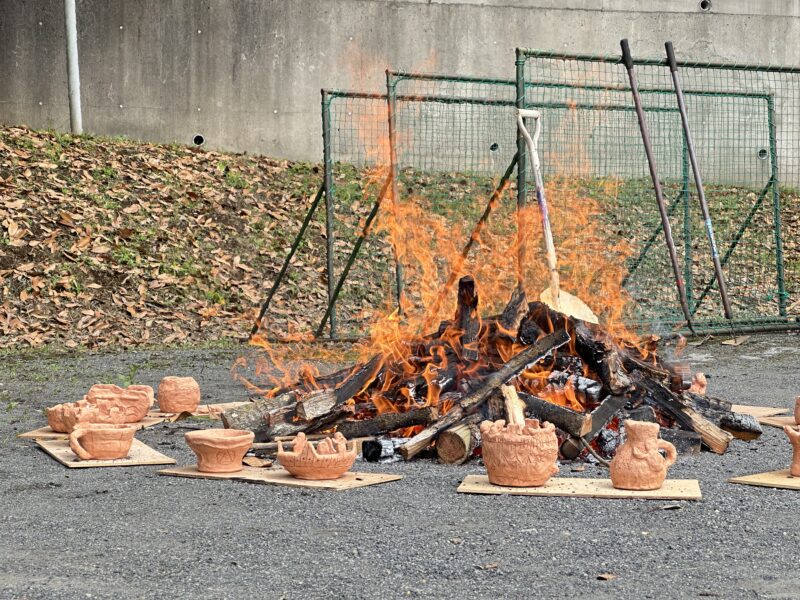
[(568, 372)]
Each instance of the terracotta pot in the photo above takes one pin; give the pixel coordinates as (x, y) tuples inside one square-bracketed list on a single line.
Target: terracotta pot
[(797, 410), (101, 441), (133, 401), (793, 433), (330, 459), (699, 384), (220, 450), (638, 464), (178, 394), (519, 455)]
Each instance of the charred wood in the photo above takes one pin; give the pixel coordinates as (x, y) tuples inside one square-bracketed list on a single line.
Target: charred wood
[(600, 417), (456, 444), (574, 423), (466, 318), (387, 422)]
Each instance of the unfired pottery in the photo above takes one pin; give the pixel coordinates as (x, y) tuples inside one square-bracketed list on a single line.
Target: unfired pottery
[(330, 459), (101, 441), (699, 384), (638, 464), (134, 401), (797, 410), (220, 450), (63, 418), (519, 455), (793, 434), (178, 394)]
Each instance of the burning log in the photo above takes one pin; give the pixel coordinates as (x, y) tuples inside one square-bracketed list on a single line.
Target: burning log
[(322, 402), (388, 422), (574, 423), (511, 369), (660, 397), (514, 312), (467, 319), (600, 417), (598, 350), (256, 415), (456, 444)]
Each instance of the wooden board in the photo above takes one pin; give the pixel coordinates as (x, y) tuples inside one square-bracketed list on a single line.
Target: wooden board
[(777, 421), (212, 411), (47, 433), (673, 489), (281, 477), (140, 454), (773, 479), (759, 411)]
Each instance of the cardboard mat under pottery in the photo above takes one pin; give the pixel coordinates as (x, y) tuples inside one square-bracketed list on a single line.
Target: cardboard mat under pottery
[(575, 487), (347, 481), (140, 454), (773, 479), (759, 411), (778, 421), (47, 433)]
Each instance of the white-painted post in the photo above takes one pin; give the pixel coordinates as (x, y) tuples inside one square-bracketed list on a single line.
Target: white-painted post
[(73, 74)]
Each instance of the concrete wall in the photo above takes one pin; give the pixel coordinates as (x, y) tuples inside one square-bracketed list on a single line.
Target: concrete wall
[(246, 74)]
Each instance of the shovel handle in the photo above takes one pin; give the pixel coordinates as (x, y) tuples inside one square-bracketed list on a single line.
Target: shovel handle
[(673, 65)]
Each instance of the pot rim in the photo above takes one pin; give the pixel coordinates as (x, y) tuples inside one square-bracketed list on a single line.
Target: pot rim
[(210, 436)]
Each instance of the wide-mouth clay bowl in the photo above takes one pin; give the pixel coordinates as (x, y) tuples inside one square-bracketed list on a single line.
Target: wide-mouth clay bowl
[(178, 394), (517, 455), (330, 459), (133, 401), (101, 441), (220, 450)]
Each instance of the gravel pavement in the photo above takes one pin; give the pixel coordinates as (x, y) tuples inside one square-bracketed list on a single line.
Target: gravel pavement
[(130, 533)]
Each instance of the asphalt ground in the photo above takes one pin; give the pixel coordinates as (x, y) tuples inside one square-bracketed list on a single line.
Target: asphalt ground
[(130, 533)]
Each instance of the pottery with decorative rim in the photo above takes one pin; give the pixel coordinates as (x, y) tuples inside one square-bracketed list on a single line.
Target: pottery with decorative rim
[(219, 450), (330, 458)]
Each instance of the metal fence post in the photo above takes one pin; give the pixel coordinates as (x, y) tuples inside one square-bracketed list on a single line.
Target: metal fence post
[(776, 207), (391, 106), (522, 159), (327, 166)]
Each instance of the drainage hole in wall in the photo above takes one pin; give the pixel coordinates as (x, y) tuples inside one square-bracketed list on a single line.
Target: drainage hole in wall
[(763, 154), (198, 140), (494, 147), (705, 5)]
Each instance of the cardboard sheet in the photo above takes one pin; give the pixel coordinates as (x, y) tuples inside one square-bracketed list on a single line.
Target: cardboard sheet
[(773, 479), (140, 454), (281, 477), (759, 411), (47, 433), (673, 489)]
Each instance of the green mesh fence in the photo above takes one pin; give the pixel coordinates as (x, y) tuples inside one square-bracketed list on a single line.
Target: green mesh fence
[(746, 124)]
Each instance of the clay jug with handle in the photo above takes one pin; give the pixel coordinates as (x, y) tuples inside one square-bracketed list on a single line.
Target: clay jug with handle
[(638, 464)]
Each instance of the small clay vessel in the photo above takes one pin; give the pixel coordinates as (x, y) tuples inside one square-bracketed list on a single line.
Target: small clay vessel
[(699, 384), (519, 455), (793, 433), (330, 459), (63, 418), (133, 401), (178, 394), (101, 441), (220, 450), (638, 464), (797, 410)]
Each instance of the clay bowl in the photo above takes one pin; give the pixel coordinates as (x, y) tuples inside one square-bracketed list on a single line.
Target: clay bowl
[(101, 441), (313, 466), (63, 418), (220, 450), (521, 459), (132, 402), (178, 394)]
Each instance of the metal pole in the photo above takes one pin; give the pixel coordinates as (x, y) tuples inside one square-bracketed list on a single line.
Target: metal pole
[(391, 105), (522, 154), (687, 224), (651, 161), (73, 73), (327, 166), (287, 260), (776, 208), (698, 181)]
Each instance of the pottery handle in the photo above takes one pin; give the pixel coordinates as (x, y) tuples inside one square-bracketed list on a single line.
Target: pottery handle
[(75, 444), (672, 454)]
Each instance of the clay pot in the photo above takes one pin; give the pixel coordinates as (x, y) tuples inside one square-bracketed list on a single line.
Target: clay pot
[(699, 384), (797, 410), (101, 441), (519, 455), (793, 433), (219, 450), (63, 418), (330, 459), (133, 401), (178, 394), (638, 464)]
